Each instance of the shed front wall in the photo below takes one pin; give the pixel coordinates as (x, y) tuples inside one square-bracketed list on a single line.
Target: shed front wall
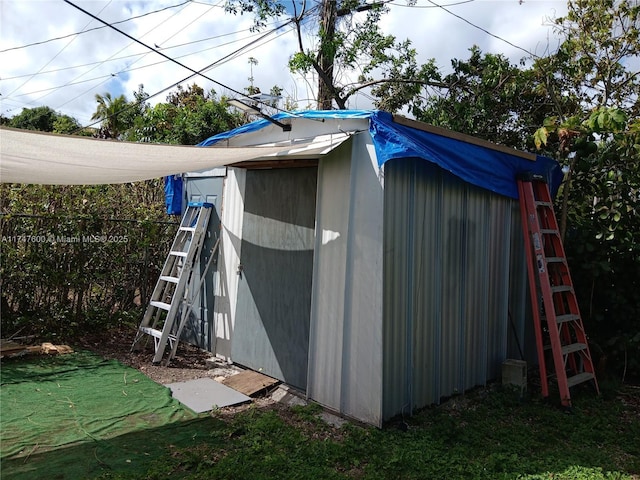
[(448, 248), (199, 329), (345, 343)]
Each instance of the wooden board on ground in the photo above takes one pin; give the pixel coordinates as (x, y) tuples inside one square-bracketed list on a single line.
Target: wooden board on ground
[(9, 348), (249, 382)]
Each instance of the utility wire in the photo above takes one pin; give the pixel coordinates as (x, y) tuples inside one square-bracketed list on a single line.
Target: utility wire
[(431, 6), (483, 30), (119, 51), (53, 58), (108, 76), (208, 67), (133, 55), (195, 72), (92, 29)]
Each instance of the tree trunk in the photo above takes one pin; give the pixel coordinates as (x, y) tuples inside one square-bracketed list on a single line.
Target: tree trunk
[(327, 54)]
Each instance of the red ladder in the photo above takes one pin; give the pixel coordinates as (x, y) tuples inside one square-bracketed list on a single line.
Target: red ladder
[(557, 321)]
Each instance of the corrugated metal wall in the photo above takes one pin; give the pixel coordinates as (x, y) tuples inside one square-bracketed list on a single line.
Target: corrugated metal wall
[(345, 342), (448, 248)]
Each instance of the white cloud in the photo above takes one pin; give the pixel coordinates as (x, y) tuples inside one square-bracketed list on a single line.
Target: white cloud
[(66, 74)]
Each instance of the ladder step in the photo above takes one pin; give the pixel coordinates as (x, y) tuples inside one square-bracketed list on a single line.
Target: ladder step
[(580, 378), (574, 347), (549, 231), (555, 260), (569, 317), (161, 305), (543, 204), (178, 253), (154, 332), (187, 229), (167, 278), (561, 288)]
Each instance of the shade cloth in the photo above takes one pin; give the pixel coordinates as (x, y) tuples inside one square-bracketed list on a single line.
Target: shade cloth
[(50, 159)]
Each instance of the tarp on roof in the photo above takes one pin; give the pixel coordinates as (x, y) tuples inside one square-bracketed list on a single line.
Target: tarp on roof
[(489, 168)]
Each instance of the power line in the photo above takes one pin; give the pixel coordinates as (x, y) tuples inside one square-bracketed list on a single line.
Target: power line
[(431, 6), (208, 67), (127, 70), (195, 72), (72, 82), (93, 29), (55, 70), (483, 29), (53, 58)]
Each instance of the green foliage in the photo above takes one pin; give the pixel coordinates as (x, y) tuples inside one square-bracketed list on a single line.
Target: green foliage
[(39, 118), (190, 116), (487, 97), (599, 141), (74, 257), (112, 114)]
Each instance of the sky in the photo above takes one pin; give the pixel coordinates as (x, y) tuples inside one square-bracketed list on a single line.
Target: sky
[(56, 55)]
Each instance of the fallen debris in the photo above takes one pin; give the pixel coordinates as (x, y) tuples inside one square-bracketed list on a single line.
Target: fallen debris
[(9, 348)]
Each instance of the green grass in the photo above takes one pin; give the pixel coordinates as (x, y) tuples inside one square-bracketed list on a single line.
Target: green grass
[(487, 434)]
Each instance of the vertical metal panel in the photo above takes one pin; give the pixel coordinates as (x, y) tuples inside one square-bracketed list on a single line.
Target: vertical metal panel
[(274, 291), (345, 354), (447, 284), (199, 329), (228, 261), (520, 337)]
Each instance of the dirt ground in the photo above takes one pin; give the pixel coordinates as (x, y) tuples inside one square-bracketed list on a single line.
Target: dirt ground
[(188, 364)]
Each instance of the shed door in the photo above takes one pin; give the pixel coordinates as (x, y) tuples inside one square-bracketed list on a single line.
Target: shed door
[(274, 291)]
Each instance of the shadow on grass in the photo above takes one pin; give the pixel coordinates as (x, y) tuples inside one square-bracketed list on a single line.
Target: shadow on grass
[(130, 455)]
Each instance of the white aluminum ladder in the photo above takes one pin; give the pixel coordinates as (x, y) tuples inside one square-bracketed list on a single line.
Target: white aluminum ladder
[(170, 302)]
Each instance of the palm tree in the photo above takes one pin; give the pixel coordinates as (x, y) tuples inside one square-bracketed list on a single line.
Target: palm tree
[(109, 112)]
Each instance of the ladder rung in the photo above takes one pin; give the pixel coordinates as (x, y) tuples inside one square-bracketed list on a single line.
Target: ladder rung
[(188, 229), (569, 317), (151, 331), (579, 378), (574, 347), (162, 305), (561, 288), (543, 204), (178, 253), (167, 278), (555, 259), (549, 231)]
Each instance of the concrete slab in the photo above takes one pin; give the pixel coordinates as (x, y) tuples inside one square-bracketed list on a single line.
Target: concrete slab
[(204, 394)]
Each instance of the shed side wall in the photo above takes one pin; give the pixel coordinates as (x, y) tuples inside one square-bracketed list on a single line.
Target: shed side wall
[(448, 248), (345, 345)]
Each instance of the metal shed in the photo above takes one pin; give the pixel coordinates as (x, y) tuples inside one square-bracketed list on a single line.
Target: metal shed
[(377, 265)]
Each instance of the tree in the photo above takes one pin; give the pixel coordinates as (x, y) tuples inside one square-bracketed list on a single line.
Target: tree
[(111, 112), (189, 116), (599, 141), (349, 40), (485, 96), (39, 118)]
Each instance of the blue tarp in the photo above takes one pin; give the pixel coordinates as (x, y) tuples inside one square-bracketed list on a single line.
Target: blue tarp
[(481, 166), (173, 194)]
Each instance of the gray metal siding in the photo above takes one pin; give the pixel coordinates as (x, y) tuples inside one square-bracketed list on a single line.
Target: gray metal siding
[(199, 329), (447, 252), (274, 290), (345, 345)]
